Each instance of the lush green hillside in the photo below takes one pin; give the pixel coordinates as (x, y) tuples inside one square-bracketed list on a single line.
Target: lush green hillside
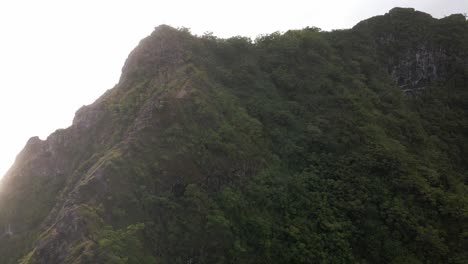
[(348, 146)]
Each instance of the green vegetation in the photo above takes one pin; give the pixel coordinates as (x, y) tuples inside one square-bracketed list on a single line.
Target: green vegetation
[(299, 147)]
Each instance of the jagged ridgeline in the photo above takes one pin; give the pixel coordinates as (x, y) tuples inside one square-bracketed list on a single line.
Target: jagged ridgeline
[(348, 146)]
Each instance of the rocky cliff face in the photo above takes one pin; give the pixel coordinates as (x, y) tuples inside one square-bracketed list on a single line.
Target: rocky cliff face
[(197, 130), (422, 54), (60, 175)]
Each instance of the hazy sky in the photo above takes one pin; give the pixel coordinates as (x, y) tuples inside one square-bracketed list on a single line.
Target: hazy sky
[(56, 56)]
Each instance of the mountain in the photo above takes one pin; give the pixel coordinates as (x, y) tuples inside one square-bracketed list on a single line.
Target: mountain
[(348, 146)]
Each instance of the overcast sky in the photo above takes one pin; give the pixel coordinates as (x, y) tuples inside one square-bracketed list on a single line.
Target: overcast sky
[(56, 56)]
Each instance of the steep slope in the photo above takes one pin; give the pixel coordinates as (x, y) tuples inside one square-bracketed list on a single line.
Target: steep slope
[(418, 49), (299, 147)]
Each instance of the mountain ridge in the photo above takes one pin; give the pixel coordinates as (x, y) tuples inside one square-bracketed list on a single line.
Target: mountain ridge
[(207, 123)]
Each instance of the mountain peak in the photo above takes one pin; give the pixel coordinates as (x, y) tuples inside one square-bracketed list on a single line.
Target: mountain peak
[(402, 10), (159, 53)]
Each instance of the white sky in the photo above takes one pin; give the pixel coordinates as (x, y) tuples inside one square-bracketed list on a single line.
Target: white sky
[(56, 56)]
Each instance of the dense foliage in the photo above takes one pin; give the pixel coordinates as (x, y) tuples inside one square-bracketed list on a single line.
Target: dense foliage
[(298, 147)]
